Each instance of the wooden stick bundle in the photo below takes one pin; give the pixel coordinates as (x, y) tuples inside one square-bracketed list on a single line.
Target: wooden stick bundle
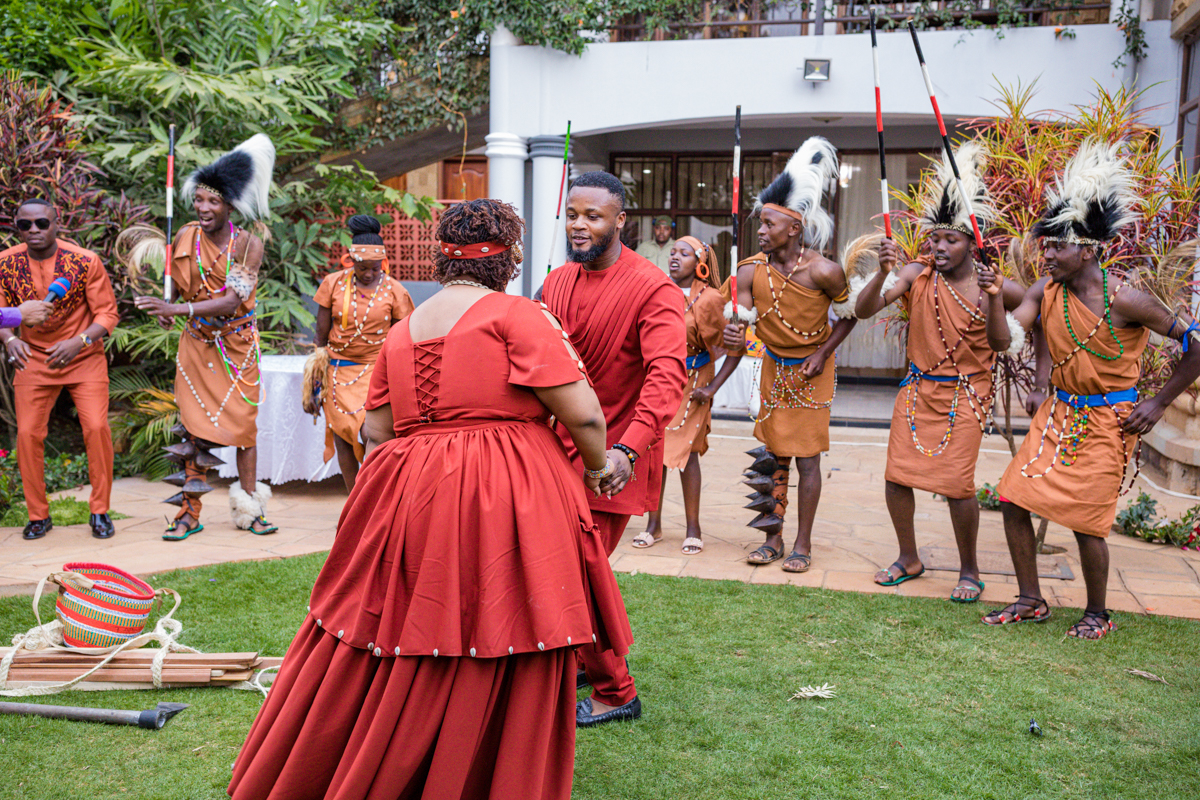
[(134, 667)]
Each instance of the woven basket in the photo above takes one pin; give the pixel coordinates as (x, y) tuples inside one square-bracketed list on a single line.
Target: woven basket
[(110, 613)]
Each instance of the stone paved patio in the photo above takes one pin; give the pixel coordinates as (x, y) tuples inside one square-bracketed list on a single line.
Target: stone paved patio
[(852, 540)]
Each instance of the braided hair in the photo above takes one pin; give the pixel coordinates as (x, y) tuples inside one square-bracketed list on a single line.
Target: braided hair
[(474, 222), (366, 229)]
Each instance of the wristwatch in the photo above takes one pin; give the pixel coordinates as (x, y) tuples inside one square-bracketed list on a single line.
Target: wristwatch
[(87, 340)]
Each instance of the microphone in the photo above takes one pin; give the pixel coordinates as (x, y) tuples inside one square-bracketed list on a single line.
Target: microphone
[(57, 290)]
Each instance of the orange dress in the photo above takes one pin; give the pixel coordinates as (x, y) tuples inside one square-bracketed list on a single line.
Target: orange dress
[(794, 418), (960, 383), (687, 433), (1077, 483), (217, 369), (361, 320), (437, 659)]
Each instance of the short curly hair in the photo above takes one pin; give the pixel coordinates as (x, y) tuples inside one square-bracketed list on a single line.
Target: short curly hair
[(474, 222)]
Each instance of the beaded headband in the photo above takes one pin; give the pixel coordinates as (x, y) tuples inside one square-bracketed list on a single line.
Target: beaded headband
[(1073, 239), (210, 190), (944, 227), (785, 210), (368, 252), (480, 250)]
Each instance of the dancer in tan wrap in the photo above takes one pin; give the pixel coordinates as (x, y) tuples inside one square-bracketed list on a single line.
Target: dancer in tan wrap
[(356, 307), (214, 269), (945, 401), (786, 291), (1087, 414), (686, 438)]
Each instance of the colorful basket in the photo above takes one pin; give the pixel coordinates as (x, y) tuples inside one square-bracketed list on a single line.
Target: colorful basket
[(110, 613)]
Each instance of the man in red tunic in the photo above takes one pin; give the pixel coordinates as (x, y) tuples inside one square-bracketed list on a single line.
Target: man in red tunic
[(625, 318)]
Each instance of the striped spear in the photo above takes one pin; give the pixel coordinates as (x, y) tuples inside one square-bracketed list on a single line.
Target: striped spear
[(562, 183), (737, 191), (170, 210), (937, 112), (883, 184)]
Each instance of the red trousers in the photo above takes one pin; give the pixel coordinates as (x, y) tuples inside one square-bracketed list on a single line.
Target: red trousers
[(608, 673), (34, 404)]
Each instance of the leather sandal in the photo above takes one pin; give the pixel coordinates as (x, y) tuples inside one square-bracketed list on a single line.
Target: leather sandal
[(766, 554), (645, 539), (1093, 626), (805, 562), (1038, 611)]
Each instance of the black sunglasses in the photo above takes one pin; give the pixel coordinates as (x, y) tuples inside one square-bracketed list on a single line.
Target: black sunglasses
[(26, 224)]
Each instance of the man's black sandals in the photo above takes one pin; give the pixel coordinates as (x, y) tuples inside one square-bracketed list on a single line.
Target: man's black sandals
[(1094, 625)]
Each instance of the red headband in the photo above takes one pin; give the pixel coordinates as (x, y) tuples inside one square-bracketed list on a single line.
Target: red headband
[(479, 250)]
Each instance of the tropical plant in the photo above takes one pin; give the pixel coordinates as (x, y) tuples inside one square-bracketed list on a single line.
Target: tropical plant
[(144, 429), (31, 28)]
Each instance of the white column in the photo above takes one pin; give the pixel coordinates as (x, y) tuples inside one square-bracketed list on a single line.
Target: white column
[(506, 152), (547, 155)]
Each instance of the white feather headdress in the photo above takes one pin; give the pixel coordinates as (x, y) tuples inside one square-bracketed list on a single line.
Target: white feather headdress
[(811, 174), (242, 177), (1093, 198), (942, 206)]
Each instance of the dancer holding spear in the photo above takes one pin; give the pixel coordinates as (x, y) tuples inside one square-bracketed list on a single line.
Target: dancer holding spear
[(945, 400)]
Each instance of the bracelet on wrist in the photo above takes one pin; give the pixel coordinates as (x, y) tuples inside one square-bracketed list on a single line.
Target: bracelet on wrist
[(628, 451), (601, 473)]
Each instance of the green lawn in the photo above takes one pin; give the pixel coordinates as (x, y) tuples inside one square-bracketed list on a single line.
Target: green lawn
[(930, 704)]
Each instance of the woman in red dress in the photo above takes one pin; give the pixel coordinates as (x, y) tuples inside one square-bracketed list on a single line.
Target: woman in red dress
[(437, 659)]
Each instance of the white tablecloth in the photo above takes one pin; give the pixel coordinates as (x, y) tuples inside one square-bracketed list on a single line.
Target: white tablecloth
[(290, 446), (740, 392)]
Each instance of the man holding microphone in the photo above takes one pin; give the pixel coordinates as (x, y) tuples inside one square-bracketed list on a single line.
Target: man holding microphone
[(60, 349)]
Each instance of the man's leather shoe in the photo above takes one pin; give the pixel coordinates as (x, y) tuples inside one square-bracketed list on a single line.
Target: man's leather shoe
[(102, 527), (37, 528), (584, 718)]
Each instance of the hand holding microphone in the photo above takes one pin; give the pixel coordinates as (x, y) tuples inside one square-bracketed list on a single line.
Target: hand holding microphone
[(34, 312)]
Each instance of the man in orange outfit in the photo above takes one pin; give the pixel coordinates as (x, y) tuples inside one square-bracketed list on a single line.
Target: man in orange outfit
[(63, 351), (625, 319)]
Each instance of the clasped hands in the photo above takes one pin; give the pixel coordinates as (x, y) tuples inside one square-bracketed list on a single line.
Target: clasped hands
[(612, 484)]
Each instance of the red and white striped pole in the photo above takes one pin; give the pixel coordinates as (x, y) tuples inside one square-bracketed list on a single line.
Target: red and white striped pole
[(883, 184), (937, 112), (170, 210), (737, 193)]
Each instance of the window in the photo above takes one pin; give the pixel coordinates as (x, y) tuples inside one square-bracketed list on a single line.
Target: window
[(1189, 107)]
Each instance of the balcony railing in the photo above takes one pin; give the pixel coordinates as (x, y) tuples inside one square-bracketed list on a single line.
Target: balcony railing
[(712, 19)]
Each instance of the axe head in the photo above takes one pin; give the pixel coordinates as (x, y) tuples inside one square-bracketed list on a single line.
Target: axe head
[(769, 524), (176, 478), (197, 486), (760, 502), (155, 718), (206, 460), (765, 465), (760, 483), (180, 452)]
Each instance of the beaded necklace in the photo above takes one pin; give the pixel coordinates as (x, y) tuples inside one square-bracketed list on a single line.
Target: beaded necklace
[(229, 246), (351, 292), (775, 299), (1107, 316), (962, 384), (693, 374)]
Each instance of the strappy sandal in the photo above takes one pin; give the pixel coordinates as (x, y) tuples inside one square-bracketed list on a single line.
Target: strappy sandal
[(805, 562), (692, 545), (171, 536), (262, 520), (1038, 611), (972, 599), (1093, 626), (766, 555), (901, 578), (645, 539)]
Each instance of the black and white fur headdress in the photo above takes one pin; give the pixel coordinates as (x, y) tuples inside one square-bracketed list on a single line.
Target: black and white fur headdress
[(1092, 200), (942, 207), (811, 174), (242, 177)]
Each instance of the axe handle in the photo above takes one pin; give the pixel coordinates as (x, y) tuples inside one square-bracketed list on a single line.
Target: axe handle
[(112, 716)]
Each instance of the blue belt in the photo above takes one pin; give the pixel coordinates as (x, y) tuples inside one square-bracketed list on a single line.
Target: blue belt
[(914, 373), (784, 362), (341, 362), (699, 360), (1129, 395), (215, 322)]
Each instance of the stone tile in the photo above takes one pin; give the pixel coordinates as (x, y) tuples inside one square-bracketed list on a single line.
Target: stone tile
[(720, 570), (855, 582), (1172, 606), (651, 565), (1147, 586)]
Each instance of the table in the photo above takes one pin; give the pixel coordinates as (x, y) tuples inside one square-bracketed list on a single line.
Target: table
[(290, 446)]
